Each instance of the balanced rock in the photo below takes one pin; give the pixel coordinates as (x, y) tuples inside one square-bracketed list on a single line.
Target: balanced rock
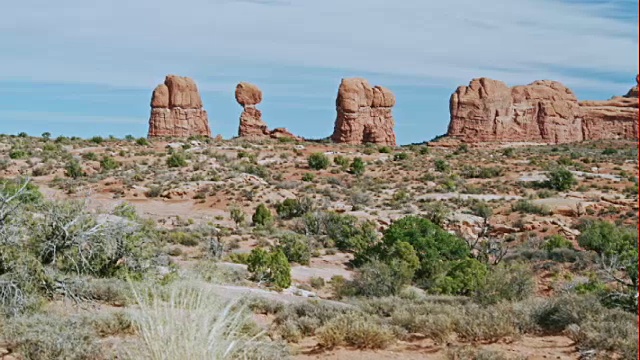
[(364, 114), (176, 109), (544, 111), (251, 123)]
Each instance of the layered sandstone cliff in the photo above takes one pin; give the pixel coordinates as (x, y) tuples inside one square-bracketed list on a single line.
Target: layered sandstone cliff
[(176, 109), (364, 114), (544, 111)]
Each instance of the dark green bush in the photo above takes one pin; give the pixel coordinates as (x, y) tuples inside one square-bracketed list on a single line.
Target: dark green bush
[(318, 161), (262, 216)]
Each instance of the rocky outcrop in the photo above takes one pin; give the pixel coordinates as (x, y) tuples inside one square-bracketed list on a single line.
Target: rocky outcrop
[(544, 111), (176, 109), (364, 114), (251, 123), (616, 118)]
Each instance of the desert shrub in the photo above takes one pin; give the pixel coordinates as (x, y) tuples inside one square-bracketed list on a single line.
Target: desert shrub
[(434, 247), (318, 161), (192, 322), (17, 153), (295, 247), (441, 165), (108, 163), (45, 337), (308, 177), (73, 169), (237, 215), (470, 172), (385, 150), (355, 329), (19, 191), (154, 191), (561, 179), (482, 209), (97, 139), (437, 212), (357, 166), (557, 242), (476, 323), (618, 250), (292, 208), (343, 230), (463, 277), (471, 352), (270, 267), (340, 160), (526, 206), (262, 216), (142, 141), (317, 282), (511, 282), (176, 159), (400, 156), (376, 278), (91, 156)]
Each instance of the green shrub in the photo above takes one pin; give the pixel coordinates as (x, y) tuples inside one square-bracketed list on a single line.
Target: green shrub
[(441, 165), (557, 242), (73, 169), (16, 153), (308, 177), (318, 161), (357, 166), (341, 161), (561, 179), (176, 159), (526, 206), (142, 141), (462, 278), (400, 156), (481, 172), (97, 139), (433, 246), (511, 282), (376, 278), (292, 208), (271, 267), (385, 150), (262, 216), (295, 247), (108, 163)]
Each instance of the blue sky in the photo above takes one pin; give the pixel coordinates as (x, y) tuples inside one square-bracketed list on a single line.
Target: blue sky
[(84, 68)]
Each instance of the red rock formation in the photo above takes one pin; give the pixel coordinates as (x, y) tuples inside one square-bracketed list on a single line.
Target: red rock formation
[(544, 111), (251, 123), (616, 118), (176, 109), (364, 114)]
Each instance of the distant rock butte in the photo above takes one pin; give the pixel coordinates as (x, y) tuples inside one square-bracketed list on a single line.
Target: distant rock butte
[(176, 109), (251, 123), (364, 114), (544, 111)]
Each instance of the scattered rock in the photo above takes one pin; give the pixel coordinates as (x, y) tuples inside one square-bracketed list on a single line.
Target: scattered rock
[(176, 109), (364, 114)]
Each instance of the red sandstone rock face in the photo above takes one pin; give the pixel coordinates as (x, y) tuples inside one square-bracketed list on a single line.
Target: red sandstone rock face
[(616, 118), (176, 109), (364, 114), (251, 123), (544, 111)]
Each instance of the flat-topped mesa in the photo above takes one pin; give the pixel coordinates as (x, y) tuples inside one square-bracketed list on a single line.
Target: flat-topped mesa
[(544, 111), (176, 109), (364, 114), (616, 118), (251, 123)]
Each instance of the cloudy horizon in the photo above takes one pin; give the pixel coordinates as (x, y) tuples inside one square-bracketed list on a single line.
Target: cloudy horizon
[(76, 68)]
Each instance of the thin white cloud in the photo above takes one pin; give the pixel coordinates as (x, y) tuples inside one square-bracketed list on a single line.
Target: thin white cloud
[(135, 43)]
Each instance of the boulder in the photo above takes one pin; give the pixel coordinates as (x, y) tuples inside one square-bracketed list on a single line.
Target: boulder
[(176, 109), (364, 114)]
